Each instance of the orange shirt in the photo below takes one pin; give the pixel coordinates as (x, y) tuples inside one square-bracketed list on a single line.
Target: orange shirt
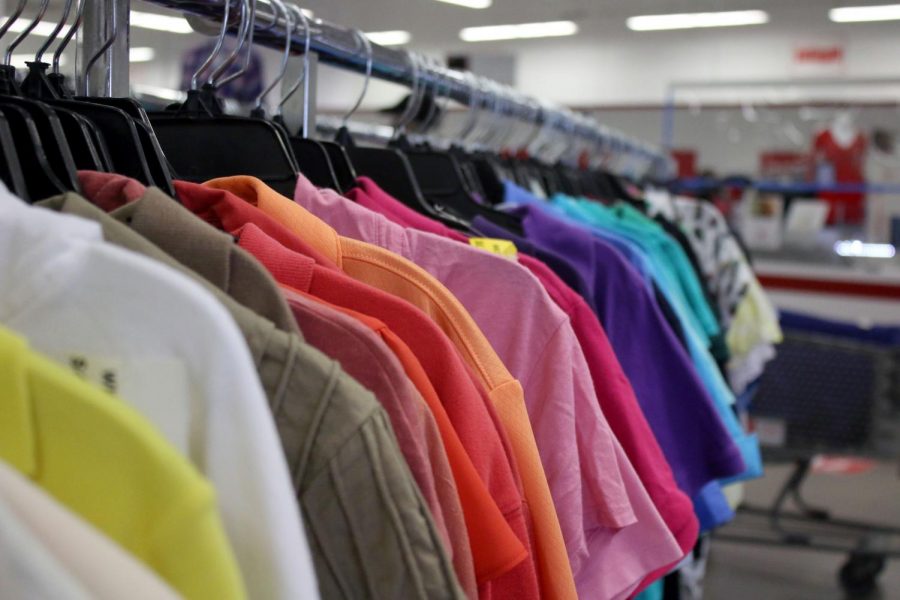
[(389, 272)]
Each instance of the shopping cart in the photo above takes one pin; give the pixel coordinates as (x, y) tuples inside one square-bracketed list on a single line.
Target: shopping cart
[(834, 388)]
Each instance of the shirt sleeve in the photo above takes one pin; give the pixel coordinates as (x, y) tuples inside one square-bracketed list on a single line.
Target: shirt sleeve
[(576, 445)]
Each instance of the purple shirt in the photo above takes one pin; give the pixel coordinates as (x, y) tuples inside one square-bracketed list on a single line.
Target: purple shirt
[(677, 406)]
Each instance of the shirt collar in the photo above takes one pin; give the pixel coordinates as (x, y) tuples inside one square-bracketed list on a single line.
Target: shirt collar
[(17, 426), (161, 220), (109, 190), (287, 212), (227, 212), (286, 266)]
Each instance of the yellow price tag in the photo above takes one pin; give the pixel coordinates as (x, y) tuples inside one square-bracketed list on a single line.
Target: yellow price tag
[(504, 248)]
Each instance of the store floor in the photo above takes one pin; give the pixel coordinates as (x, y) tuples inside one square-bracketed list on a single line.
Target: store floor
[(751, 572)]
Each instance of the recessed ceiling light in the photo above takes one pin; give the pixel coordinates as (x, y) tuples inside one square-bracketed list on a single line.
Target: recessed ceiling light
[(159, 22), (142, 20), (141, 54), (389, 38), (861, 14), (694, 20), (491, 33), (469, 3)]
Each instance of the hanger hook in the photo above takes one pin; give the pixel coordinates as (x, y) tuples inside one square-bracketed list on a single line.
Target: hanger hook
[(79, 17), (106, 46), (412, 104), (21, 37), (505, 120), (52, 37), (288, 30), (440, 79), (475, 98), (491, 100), (495, 134), (13, 18), (195, 78), (248, 38), (243, 30), (367, 45), (307, 39)]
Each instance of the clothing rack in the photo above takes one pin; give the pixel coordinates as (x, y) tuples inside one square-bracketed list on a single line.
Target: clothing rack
[(340, 46)]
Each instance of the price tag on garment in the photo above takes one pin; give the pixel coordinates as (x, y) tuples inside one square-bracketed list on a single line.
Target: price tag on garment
[(157, 385), (504, 248)]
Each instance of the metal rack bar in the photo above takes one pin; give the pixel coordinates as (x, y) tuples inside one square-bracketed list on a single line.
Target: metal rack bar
[(339, 46)]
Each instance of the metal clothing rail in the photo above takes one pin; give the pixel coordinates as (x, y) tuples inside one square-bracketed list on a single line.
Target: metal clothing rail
[(340, 46)]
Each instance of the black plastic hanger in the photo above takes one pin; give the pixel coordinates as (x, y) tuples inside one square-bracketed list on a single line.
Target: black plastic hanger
[(41, 116), (388, 167), (112, 132), (202, 143), (40, 179), (10, 167), (77, 130), (444, 183)]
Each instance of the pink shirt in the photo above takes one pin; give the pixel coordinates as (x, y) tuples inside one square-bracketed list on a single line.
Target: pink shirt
[(535, 340), (612, 386)]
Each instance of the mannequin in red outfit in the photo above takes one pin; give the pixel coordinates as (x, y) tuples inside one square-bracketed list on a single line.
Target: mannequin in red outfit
[(839, 155)]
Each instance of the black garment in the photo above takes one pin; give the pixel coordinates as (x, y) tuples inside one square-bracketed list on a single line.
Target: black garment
[(718, 345)]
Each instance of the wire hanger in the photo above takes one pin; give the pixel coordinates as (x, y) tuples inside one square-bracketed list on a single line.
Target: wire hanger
[(343, 136), (258, 110)]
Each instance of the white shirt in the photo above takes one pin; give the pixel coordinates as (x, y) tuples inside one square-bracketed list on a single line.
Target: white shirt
[(27, 570), (166, 346), (100, 565)]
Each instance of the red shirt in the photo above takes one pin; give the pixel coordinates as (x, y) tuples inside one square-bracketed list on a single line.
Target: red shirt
[(492, 515)]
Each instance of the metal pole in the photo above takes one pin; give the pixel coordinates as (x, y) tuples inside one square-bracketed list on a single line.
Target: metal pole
[(109, 76), (300, 115), (339, 46)]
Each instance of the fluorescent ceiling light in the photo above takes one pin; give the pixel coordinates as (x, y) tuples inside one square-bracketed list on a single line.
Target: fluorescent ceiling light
[(158, 22), (139, 19), (389, 38), (141, 54), (42, 29), (469, 3), (517, 32), (693, 20), (858, 248), (860, 14)]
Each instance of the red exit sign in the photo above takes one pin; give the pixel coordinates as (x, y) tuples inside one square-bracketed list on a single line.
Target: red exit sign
[(820, 55)]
